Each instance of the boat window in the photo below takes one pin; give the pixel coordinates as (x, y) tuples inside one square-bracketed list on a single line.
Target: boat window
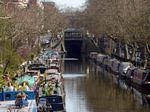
[(148, 77), (8, 96), (42, 100)]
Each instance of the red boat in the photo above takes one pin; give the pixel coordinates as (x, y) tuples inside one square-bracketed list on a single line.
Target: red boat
[(141, 79)]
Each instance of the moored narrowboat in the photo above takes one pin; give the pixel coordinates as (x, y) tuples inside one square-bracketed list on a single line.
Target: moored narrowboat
[(16, 101), (141, 98), (106, 62), (129, 75), (99, 59), (124, 66), (93, 56), (141, 79), (115, 67), (51, 94), (37, 67)]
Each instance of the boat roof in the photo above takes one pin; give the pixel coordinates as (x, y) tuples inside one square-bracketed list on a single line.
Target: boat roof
[(10, 96), (32, 71), (6, 106), (26, 78), (52, 71)]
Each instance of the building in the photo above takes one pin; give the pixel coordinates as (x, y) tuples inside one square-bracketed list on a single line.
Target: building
[(11, 4), (22, 3), (48, 6)]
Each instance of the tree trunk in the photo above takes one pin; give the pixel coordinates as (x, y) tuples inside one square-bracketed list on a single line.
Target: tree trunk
[(133, 53), (134, 49), (148, 47), (145, 58), (109, 52), (126, 51), (6, 66)]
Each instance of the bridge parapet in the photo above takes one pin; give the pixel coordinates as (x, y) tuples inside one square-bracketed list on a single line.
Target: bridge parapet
[(72, 34)]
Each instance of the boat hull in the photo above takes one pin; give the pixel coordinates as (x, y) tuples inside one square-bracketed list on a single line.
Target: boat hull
[(9, 106)]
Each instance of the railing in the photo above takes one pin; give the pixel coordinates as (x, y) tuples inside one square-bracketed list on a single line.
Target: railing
[(73, 35)]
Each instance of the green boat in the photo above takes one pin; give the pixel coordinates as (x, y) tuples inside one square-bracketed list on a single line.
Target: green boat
[(26, 78)]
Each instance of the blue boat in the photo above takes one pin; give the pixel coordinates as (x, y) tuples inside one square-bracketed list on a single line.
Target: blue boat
[(53, 103), (10, 102), (52, 94)]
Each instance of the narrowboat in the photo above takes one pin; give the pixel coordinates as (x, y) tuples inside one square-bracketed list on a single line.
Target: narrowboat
[(17, 101), (124, 66), (33, 73), (141, 79), (93, 55), (115, 67), (106, 63), (141, 98), (99, 59), (37, 67), (110, 63), (129, 75), (52, 71), (31, 80), (52, 103), (51, 93)]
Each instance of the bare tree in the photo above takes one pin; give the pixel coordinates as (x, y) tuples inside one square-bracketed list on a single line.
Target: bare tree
[(54, 20), (124, 20)]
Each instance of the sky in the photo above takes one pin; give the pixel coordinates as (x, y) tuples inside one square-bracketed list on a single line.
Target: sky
[(68, 3)]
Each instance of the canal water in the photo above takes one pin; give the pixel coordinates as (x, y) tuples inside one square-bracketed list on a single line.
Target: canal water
[(91, 89)]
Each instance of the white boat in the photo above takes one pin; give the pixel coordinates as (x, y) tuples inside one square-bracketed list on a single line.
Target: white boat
[(52, 71), (124, 66), (93, 55), (100, 59)]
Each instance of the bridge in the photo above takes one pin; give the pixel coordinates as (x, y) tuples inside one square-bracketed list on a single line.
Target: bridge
[(73, 40)]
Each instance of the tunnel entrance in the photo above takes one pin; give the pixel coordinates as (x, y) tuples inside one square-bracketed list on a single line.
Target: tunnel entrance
[(73, 40), (73, 46)]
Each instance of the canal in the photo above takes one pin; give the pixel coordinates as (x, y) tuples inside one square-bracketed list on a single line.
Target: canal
[(91, 89)]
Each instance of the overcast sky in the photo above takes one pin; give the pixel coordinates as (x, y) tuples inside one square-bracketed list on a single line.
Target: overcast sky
[(68, 3)]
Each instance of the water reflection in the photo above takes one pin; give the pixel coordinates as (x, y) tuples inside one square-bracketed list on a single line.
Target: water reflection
[(142, 99), (75, 95), (89, 88)]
